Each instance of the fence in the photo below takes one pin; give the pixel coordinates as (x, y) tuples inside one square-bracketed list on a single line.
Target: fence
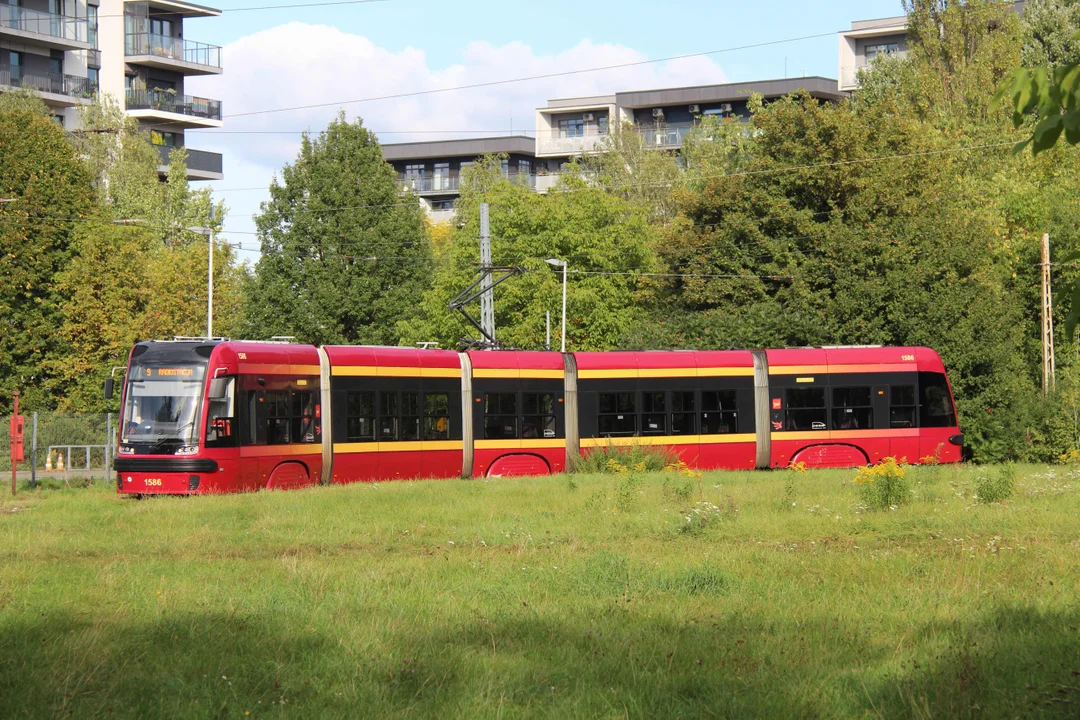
[(84, 441)]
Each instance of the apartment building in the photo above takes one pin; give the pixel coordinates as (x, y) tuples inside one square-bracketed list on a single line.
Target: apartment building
[(433, 169), (869, 38), (47, 45), (68, 50), (145, 57), (570, 127)]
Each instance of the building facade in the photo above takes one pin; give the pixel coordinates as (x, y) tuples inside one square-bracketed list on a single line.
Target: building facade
[(137, 52), (869, 38)]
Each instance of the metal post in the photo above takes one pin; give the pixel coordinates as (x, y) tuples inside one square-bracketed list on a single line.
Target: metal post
[(564, 307), (210, 283), (1047, 319), (487, 299), (108, 441), (33, 454)]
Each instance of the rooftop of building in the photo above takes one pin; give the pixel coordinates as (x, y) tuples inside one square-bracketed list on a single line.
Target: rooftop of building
[(519, 144), (815, 85)]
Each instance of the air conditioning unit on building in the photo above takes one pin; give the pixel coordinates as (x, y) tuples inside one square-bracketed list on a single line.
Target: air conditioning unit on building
[(658, 112), (588, 117), (695, 109), (725, 107)]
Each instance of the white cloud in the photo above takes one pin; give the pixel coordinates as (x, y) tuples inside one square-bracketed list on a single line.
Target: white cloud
[(260, 75)]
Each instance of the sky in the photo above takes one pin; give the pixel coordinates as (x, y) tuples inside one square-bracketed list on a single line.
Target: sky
[(287, 57)]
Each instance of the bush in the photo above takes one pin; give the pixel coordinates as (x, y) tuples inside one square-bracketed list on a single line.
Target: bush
[(882, 486), (996, 487), (619, 460)]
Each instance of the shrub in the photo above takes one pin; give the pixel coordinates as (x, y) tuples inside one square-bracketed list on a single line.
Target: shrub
[(883, 486), (996, 487), (620, 460)]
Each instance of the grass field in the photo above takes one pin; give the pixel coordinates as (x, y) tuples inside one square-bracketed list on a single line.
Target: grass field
[(764, 594)]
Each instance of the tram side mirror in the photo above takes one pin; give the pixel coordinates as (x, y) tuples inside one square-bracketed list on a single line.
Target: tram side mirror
[(108, 388), (217, 388)]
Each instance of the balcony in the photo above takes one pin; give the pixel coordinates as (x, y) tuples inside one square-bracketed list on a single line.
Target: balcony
[(665, 138), (556, 142), (201, 165), (180, 110), (172, 53), (55, 89), (431, 185), (54, 31)]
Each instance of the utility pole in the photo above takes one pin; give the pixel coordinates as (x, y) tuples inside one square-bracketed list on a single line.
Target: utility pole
[(487, 297), (1047, 318)]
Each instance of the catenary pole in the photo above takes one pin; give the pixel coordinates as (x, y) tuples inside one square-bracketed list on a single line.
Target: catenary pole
[(1047, 319), (487, 300)]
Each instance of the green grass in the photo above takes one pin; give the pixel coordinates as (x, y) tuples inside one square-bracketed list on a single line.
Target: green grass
[(541, 598)]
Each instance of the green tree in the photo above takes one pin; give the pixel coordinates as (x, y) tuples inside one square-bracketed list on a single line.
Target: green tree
[(344, 253), (1050, 27), (46, 193), (630, 166), (606, 240)]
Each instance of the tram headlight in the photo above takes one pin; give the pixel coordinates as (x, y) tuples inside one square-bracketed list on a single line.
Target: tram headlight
[(187, 450), (127, 450)]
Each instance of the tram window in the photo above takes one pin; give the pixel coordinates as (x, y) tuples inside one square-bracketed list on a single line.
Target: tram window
[(618, 414), (936, 405), (221, 429), (654, 413), (806, 409), (360, 414), (251, 425), (902, 406), (303, 421), (436, 416), (539, 415), (389, 408), (410, 416), (682, 413), (276, 409), (718, 413), (852, 409), (500, 415)]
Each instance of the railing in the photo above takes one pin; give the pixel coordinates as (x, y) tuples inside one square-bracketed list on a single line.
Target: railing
[(559, 143), (849, 76), (426, 185), (198, 160), (42, 23), (173, 48), (180, 104), (665, 137), (70, 85)]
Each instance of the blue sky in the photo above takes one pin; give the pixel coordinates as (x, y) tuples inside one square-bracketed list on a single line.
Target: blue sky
[(279, 58)]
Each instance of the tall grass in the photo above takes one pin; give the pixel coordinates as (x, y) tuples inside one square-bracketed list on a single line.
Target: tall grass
[(522, 598)]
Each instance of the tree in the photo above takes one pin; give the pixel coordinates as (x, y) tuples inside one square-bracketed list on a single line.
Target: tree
[(46, 194), (606, 240), (629, 167), (1050, 27), (344, 252)]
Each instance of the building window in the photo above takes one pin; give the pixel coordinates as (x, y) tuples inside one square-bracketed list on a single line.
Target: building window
[(15, 64), (873, 51), (618, 414), (539, 411), (414, 177), (806, 409), (161, 28), (902, 406), (92, 24), (602, 124), (440, 180), (719, 415), (504, 165), (92, 78), (165, 139), (436, 416), (852, 409), (682, 413), (524, 167), (654, 413), (442, 204), (360, 417), (572, 128), (500, 416)]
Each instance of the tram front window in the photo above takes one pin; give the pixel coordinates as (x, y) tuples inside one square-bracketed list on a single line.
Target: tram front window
[(162, 406)]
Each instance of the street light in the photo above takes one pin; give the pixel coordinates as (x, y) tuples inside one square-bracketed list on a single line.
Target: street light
[(561, 263)]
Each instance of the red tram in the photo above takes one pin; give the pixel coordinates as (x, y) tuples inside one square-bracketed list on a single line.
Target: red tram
[(215, 416)]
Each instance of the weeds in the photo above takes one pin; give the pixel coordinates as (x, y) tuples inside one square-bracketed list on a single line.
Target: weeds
[(883, 486), (610, 459), (996, 487)]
